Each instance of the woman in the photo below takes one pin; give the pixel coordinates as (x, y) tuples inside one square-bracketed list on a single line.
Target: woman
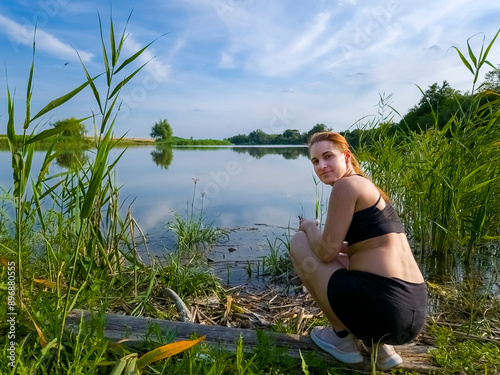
[(360, 270)]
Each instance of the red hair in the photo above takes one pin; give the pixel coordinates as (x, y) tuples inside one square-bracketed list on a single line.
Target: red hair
[(339, 141)]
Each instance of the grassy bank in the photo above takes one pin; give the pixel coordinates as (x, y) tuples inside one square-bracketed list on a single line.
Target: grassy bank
[(178, 141), (67, 143)]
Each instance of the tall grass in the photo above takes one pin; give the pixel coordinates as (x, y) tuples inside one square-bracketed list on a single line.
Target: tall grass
[(278, 264), (73, 219), (444, 181), (72, 247), (194, 235)]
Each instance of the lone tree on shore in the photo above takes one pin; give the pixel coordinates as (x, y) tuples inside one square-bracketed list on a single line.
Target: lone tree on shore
[(76, 129), (161, 131)]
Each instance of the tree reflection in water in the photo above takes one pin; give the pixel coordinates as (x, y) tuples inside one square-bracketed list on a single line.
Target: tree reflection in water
[(73, 159), (162, 156), (289, 153)]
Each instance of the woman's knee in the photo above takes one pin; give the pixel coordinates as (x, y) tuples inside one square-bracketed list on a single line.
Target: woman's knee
[(302, 256), (298, 245)]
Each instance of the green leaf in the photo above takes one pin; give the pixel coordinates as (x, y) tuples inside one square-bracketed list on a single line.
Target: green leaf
[(11, 131), (123, 37), (28, 162), (482, 184), (114, 54), (131, 58), (28, 90), (38, 206), (59, 101), (136, 55), (91, 83), (464, 60), (131, 368), (51, 189), (8, 249), (96, 178), (305, 368), (94, 184), (18, 167), (107, 115), (119, 368), (51, 132), (471, 54), (50, 155), (489, 47), (490, 64), (105, 54)]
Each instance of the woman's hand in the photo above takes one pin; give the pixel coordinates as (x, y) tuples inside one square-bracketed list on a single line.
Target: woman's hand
[(306, 224)]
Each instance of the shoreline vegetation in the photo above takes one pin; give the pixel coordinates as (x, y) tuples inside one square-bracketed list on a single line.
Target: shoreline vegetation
[(82, 253), (89, 142)]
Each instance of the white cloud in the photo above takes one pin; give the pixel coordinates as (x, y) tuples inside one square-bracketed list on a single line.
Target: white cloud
[(155, 67), (20, 34), (276, 51), (308, 39)]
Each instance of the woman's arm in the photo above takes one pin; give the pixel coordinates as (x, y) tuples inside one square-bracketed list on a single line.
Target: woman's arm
[(328, 244)]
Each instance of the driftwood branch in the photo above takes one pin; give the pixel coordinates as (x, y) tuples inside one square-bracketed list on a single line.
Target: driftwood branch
[(182, 309), (134, 329)]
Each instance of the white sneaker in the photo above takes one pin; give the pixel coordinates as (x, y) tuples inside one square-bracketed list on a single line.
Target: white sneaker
[(387, 357), (345, 350)]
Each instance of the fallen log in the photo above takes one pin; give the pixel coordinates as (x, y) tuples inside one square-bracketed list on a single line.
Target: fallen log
[(134, 329)]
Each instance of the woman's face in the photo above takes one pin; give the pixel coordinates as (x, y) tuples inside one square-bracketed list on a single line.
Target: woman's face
[(330, 164)]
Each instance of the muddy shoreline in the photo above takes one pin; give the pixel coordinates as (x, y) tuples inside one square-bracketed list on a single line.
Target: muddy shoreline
[(237, 258)]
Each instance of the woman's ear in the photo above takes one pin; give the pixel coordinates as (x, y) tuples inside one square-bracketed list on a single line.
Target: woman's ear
[(347, 156)]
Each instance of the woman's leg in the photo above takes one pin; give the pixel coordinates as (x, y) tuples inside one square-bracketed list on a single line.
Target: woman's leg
[(316, 274)]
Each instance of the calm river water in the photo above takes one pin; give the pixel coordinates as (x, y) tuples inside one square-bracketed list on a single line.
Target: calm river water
[(241, 186), (249, 188)]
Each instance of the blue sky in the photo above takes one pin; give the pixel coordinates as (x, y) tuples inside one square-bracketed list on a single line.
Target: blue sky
[(232, 66)]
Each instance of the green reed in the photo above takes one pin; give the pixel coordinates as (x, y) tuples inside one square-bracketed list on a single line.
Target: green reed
[(96, 233), (278, 264), (71, 217), (194, 236), (444, 181), (188, 279)]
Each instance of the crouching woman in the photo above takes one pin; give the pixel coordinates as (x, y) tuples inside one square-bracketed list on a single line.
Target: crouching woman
[(360, 269)]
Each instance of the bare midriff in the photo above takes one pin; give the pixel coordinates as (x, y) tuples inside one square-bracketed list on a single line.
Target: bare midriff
[(388, 255)]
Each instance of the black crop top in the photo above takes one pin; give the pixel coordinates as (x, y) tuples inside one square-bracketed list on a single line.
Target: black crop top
[(373, 222)]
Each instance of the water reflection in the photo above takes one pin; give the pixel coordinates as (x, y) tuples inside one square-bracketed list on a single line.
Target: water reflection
[(289, 153), (162, 156), (72, 160)]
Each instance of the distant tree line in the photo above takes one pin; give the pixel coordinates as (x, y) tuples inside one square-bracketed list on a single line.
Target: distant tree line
[(288, 137), (438, 105), (163, 134)]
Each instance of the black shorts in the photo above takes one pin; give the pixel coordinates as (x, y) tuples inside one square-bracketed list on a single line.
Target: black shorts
[(377, 308)]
